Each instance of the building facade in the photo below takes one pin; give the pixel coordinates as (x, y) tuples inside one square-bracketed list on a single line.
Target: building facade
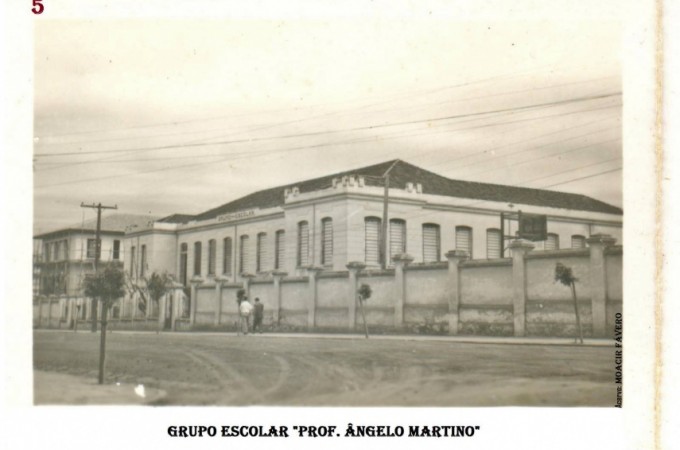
[(63, 257), (331, 221)]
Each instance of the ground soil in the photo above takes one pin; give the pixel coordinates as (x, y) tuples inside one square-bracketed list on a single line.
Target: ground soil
[(213, 369)]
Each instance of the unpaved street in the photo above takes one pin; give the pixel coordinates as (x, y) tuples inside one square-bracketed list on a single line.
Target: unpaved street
[(210, 369)]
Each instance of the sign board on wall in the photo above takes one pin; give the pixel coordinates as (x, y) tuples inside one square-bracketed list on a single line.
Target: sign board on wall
[(533, 227), (236, 215)]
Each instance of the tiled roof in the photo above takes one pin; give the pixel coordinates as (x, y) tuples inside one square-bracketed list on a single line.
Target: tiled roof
[(176, 218), (113, 223), (432, 183)]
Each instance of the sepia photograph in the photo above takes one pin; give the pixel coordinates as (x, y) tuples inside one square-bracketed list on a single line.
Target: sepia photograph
[(305, 225), (248, 213)]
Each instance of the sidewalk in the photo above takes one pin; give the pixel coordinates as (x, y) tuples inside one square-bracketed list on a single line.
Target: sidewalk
[(51, 388), (495, 340)]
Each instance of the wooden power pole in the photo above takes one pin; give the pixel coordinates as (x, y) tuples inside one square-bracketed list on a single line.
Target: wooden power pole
[(97, 251)]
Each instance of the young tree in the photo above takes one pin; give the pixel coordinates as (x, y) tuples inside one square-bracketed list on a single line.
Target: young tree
[(364, 294), (157, 285), (106, 285), (564, 275)]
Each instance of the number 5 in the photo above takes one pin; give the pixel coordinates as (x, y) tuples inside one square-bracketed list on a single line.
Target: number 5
[(38, 7)]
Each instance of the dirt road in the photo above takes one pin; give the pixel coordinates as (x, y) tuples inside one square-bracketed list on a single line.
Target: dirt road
[(195, 369)]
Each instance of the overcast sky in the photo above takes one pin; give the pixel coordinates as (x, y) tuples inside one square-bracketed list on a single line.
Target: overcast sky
[(165, 117)]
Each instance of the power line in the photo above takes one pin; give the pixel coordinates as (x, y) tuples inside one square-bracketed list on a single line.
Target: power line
[(391, 97), (618, 158), (583, 178), (367, 127), (334, 113)]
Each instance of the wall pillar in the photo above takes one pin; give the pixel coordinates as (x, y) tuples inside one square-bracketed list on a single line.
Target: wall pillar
[(162, 308), (195, 282), (519, 248), (177, 298), (598, 281), (40, 308), (455, 257), (354, 269), (278, 275), (312, 273), (49, 311), (219, 282), (247, 277), (400, 262)]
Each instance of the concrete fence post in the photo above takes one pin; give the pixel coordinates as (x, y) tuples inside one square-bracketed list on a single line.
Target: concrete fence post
[(247, 277), (219, 283), (195, 283), (400, 262), (278, 275), (455, 257), (354, 269), (62, 309), (312, 273), (519, 248), (40, 308), (49, 311), (162, 309), (598, 280), (176, 298)]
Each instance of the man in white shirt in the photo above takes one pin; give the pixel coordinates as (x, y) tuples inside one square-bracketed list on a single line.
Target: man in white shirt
[(245, 309)]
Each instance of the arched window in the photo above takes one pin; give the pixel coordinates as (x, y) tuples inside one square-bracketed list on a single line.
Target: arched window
[(261, 254), (372, 226), (494, 241), (243, 261), (212, 256), (198, 250), (578, 241), (280, 249), (327, 241), (397, 237), (552, 242), (226, 255), (143, 263), (183, 262), (431, 242), (303, 244), (133, 260), (464, 239)]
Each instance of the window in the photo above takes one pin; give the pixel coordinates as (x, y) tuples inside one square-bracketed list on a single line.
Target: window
[(57, 251), (493, 243), (372, 227), (226, 255), (327, 241), (46, 251), (464, 239), (243, 254), (65, 249), (578, 241), (197, 258), (133, 256), (261, 252), (553, 242), (431, 242), (116, 250), (91, 248), (303, 244), (397, 237), (142, 270), (212, 255), (183, 263), (280, 249)]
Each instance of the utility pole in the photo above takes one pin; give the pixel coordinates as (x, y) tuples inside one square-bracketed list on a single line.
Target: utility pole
[(97, 251)]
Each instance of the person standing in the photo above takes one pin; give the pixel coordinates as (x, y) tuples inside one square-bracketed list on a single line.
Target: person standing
[(245, 309), (258, 315)]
